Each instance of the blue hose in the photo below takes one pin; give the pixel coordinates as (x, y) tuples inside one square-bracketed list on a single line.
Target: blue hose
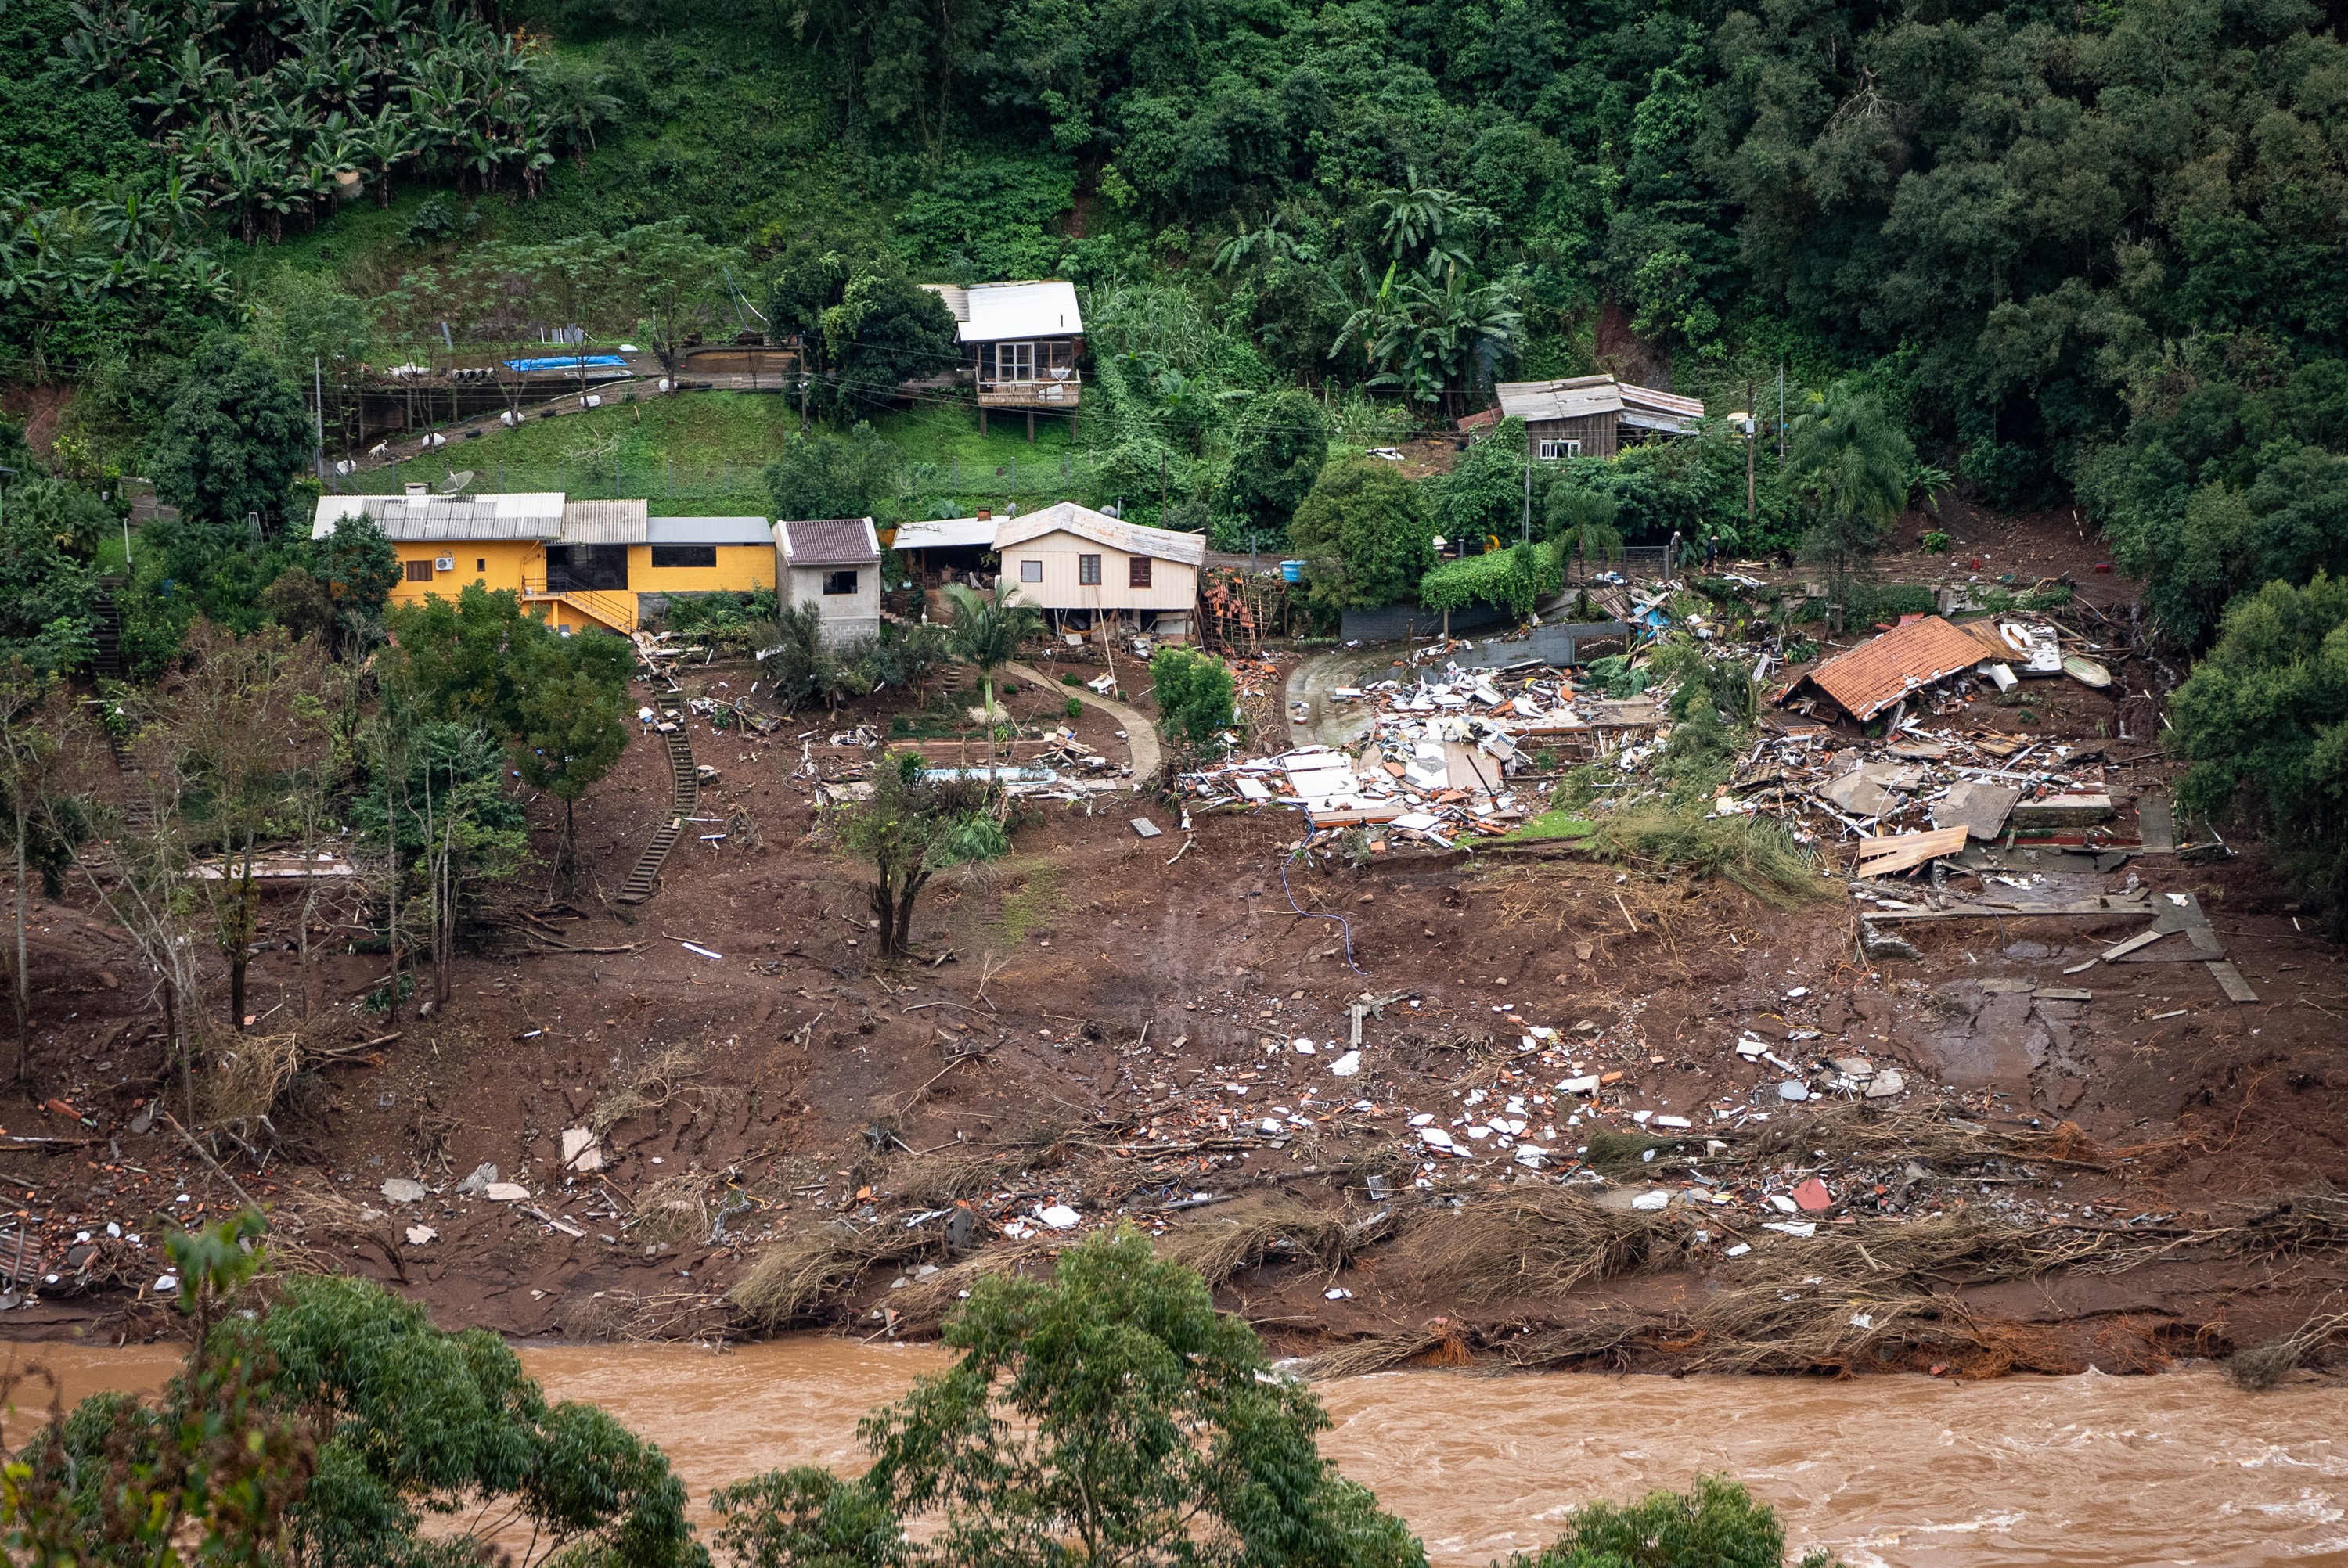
[(1343, 924)]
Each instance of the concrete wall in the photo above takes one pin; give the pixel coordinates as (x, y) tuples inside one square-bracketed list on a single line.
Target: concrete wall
[(1394, 622), (846, 616)]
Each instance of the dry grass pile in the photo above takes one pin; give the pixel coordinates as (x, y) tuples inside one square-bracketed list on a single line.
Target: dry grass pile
[(1227, 1239), (1439, 1344), (1539, 1241), (800, 1270), (244, 1078), (924, 1303), (657, 1082), (673, 1211), (2261, 1367), (1859, 1131), (2293, 1222), (952, 1174)]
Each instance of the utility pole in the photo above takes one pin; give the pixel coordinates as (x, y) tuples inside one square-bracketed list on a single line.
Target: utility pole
[(318, 413), (1528, 535), (1781, 412)]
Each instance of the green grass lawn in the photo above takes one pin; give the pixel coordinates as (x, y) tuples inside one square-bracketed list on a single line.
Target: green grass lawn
[(706, 453), (1556, 822)]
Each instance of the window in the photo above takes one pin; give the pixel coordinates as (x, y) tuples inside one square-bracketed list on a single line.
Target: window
[(1031, 571), (1137, 572), (1088, 570), (419, 571), (684, 554), (480, 563), (1550, 450), (840, 583)]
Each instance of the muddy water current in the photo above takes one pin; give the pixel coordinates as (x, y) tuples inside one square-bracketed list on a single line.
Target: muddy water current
[(2085, 1470)]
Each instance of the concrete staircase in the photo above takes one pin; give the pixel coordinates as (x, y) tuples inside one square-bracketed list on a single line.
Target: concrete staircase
[(644, 880)]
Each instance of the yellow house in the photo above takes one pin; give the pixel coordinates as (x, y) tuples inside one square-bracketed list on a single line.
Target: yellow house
[(583, 564), (1083, 565)]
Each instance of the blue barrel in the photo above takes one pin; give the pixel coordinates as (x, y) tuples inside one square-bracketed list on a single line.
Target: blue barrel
[(1292, 571)]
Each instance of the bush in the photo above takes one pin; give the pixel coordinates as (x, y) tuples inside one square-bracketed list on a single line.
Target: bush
[(1076, 710), (1717, 1526), (1195, 695), (1514, 580)]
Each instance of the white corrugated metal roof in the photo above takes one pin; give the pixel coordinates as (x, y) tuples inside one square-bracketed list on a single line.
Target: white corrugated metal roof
[(709, 531), (1133, 539), (991, 312), (948, 533), (604, 522), (523, 515)]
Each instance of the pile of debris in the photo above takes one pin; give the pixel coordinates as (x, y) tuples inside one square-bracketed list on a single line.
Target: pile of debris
[(1440, 756)]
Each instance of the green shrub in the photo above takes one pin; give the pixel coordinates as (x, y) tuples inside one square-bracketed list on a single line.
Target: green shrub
[(1514, 580), (1075, 709), (1195, 694)]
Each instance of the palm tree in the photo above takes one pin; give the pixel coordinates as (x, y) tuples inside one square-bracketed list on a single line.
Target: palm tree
[(1856, 466), (985, 633), (1582, 522)]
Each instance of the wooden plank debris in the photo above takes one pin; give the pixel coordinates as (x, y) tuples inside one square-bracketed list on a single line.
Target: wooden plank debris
[(2141, 940), (1901, 852)]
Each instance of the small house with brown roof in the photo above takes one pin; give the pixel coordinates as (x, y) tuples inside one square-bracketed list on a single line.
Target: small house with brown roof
[(834, 565)]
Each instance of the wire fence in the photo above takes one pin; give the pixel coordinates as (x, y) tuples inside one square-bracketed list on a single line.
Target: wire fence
[(952, 489)]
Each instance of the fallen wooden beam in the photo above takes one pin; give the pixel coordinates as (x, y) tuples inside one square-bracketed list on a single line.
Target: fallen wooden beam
[(1905, 851)]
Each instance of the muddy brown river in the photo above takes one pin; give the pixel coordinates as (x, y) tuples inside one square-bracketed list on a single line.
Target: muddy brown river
[(2085, 1470)]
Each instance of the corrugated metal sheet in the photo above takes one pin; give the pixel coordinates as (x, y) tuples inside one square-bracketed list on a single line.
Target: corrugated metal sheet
[(957, 297), (709, 531), (1580, 397), (829, 542), (994, 312), (437, 519), (1874, 675), (948, 534), (1133, 539), (1576, 397), (604, 522)]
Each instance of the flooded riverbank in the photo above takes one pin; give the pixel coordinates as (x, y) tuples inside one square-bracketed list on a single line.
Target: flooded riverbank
[(2089, 1471)]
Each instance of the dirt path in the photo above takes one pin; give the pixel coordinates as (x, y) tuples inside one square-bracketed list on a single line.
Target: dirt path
[(1140, 734)]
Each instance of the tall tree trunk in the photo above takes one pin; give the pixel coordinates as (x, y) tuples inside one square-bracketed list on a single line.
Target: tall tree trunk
[(986, 713), (24, 1048)]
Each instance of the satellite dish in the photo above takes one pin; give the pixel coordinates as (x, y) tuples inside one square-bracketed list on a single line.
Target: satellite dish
[(456, 481)]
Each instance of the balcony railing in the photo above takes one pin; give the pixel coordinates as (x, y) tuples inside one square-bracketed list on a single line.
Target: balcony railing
[(616, 610), (1044, 389)]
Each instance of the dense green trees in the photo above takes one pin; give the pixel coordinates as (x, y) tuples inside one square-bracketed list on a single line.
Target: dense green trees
[(233, 439), (1364, 534), (2264, 721), (820, 475), (324, 1426)]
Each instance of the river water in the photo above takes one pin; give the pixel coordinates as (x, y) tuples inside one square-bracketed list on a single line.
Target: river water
[(2093, 1472)]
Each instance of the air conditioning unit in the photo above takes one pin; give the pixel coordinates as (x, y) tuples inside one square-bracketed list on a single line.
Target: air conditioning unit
[(444, 563)]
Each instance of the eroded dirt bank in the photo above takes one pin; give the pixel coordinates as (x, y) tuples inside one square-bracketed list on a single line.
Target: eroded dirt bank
[(1107, 1025)]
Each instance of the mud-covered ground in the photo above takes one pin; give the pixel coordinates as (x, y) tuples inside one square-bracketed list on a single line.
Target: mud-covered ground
[(1108, 1024)]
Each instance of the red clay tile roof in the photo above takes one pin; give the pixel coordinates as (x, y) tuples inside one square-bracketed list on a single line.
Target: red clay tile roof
[(1874, 675)]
